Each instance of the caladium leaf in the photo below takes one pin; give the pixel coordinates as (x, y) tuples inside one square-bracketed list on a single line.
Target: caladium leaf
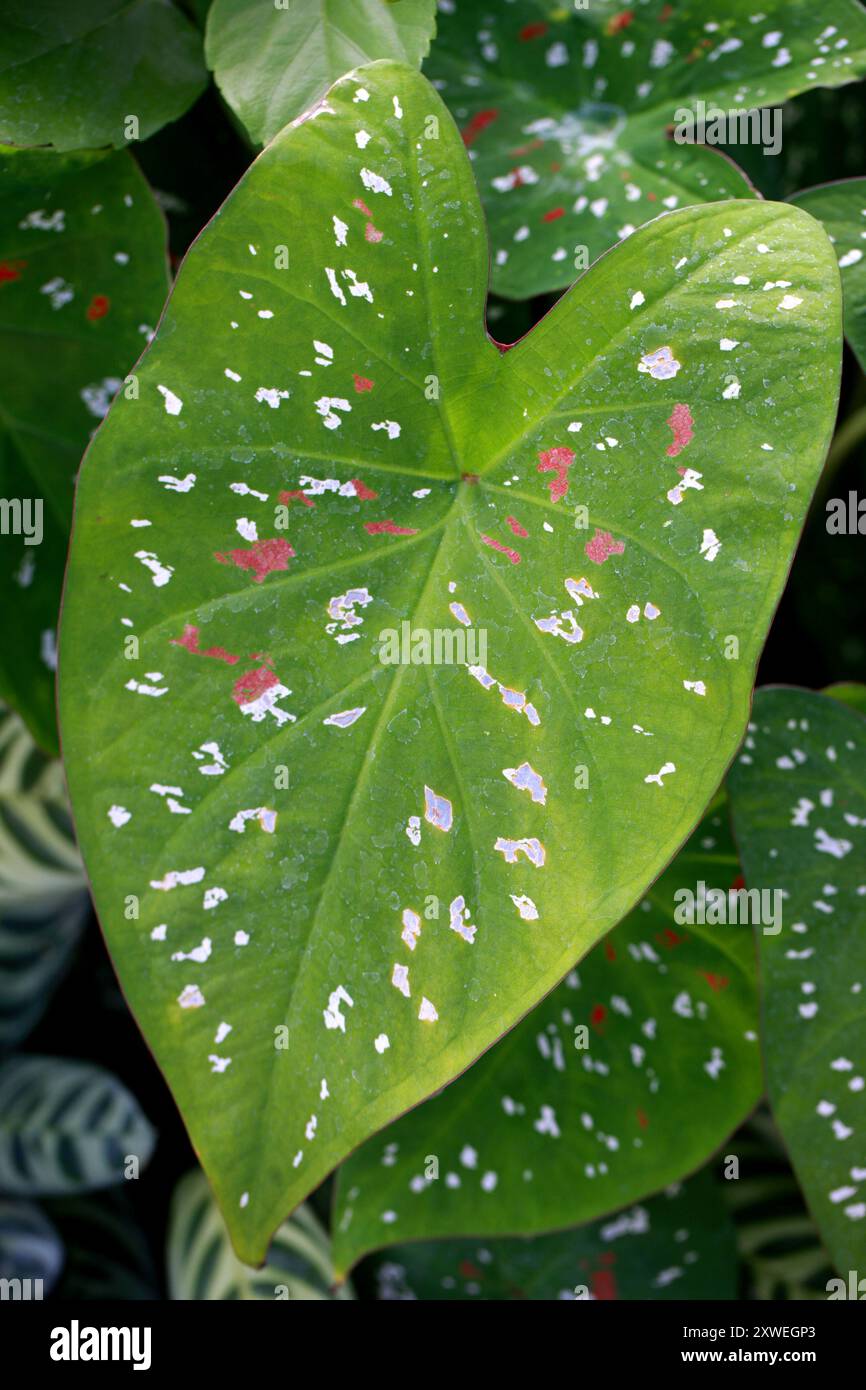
[(565, 110), (103, 73), (678, 1245), (626, 1078), (272, 62), (66, 1127), (841, 207), (203, 1266), (798, 794), (258, 774), (82, 280)]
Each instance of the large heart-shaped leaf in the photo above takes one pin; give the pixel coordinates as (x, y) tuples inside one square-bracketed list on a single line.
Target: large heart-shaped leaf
[(565, 109), (66, 1127), (281, 805), (626, 1078), (841, 207), (101, 73), (679, 1245), (82, 280), (203, 1266), (798, 793), (272, 62)]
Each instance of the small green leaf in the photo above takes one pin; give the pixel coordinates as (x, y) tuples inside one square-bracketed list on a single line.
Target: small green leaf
[(66, 1127), (626, 1078), (330, 452), (798, 793), (77, 76), (679, 1245), (203, 1266), (565, 111), (273, 62), (82, 281), (30, 1248), (841, 207)]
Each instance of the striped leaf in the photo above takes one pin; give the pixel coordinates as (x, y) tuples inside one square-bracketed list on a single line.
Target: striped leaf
[(39, 862), (34, 953), (203, 1265), (66, 1127), (30, 1247)]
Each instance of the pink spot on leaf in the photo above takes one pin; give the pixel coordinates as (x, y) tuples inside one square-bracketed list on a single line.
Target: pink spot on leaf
[(362, 383), (362, 492), (557, 461), (681, 423), (601, 546), (252, 685), (388, 528), (502, 548), (189, 640), (263, 558), (516, 526)]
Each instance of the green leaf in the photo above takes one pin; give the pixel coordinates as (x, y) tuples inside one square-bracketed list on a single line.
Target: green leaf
[(851, 693), (679, 1245), (798, 793), (40, 867), (244, 659), (66, 1127), (82, 281), (202, 1264), (841, 207), (271, 63), (626, 1078), (565, 111), (72, 76), (30, 1247)]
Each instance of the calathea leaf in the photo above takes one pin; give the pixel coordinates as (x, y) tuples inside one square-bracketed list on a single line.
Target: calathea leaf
[(101, 73), (677, 1245), (841, 207), (30, 1248), (565, 110), (273, 61), (624, 1079), (82, 280), (335, 464), (66, 1127), (202, 1264), (798, 792)]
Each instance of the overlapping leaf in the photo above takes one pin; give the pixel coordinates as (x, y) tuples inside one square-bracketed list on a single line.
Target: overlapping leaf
[(72, 75), (271, 62), (327, 449), (798, 793), (565, 109), (82, 280), (841, 207), (677, 1245), (66, 1127), (626, 1078), (202, 1264), (30, 1248)]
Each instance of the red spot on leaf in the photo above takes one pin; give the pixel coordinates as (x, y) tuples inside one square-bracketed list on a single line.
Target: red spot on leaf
[(362, 383), (682, 425), (642, 1119), (603, 1284), (263, 558), (502, 548), (609, 951), (253, 684), (669, 938), (388, 528), (738, 883), (480, 121), (601, 546), (372, 233), (553, 214), (516, 526), (468, 1270), (470, 478), (11, 270), (98, 307), (295, 495), (189, 640), (653, 197), (364, 493), (557, 461), (665, 13), (362, 207), (618, 22), (598, 1015), (532, 31), (715, 982)]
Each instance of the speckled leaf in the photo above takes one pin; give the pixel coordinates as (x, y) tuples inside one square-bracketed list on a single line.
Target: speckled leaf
[(66, 1127), (203, 1266), (82, 275), (357, 454), (553, 1127), (272, 63), (798, 793), (680, 1244), (72, 75), (565, 110), (841, 207)]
